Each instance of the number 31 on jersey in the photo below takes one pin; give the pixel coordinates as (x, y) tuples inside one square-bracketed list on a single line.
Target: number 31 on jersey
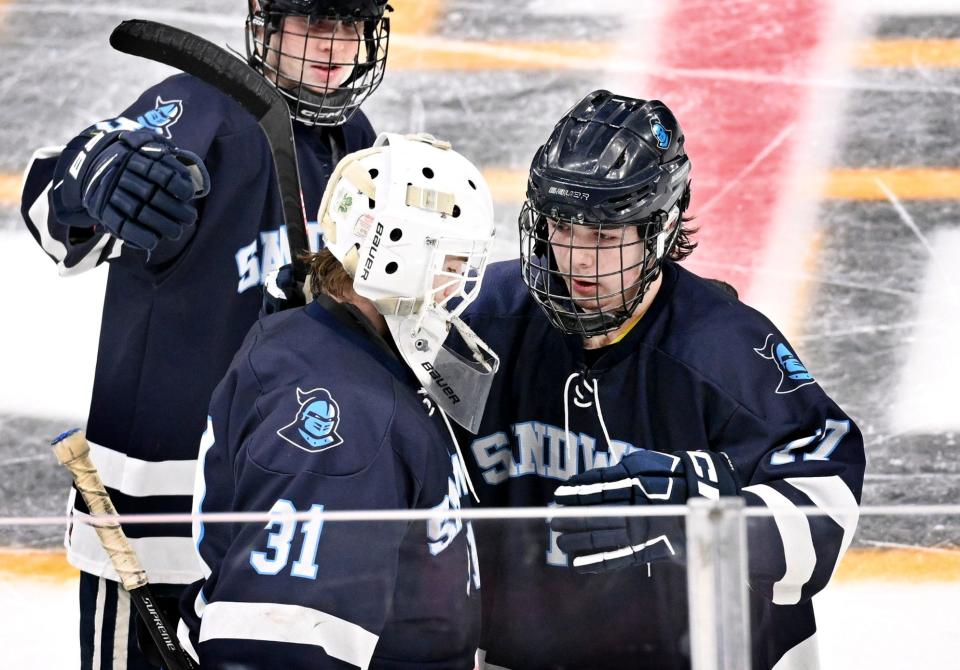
[(275, 558)]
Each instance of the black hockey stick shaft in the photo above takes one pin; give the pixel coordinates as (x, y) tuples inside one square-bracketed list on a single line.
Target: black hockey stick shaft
[(73, 452), (173, 655), (222, 70)]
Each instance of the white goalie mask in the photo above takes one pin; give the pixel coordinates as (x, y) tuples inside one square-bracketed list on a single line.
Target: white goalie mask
[(411, 221)]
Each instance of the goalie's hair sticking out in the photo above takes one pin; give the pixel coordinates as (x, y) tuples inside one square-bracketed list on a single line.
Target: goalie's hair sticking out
[(327, 275)]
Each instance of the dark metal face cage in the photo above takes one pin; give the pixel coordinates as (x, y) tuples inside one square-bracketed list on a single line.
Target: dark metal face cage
[(303, 55), (603, 300)]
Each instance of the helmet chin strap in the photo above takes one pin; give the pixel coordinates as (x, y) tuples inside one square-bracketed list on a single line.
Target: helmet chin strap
[(591, 322), (336, 100)]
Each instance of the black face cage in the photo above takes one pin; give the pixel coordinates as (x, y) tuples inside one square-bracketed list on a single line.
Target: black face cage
[(546, 238), (303, 55)]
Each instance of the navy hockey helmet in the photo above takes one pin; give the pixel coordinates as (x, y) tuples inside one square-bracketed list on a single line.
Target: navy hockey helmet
[(325, 56), (604, 202)]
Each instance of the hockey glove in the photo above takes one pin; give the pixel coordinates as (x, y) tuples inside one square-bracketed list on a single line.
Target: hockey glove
[(281, 291), (642, 478), (135, 184)]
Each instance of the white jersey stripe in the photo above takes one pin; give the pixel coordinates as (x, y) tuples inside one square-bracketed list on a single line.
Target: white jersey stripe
[(804, 656), (167, 560), (37, 214), (37, 220), (798, 552), (121, 631), (98, 623), (89, 261), (832, 494), (183, 635), (276, 622), (136, 477), (199, 491), (199, 604)]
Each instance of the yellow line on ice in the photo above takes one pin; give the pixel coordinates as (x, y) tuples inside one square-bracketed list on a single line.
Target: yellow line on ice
[(410, 50), (907, 564), (508, 185), (908, 53), (435, 53), (10, 185), (35, 564), (907, 183), (839, 184), (413, 17)]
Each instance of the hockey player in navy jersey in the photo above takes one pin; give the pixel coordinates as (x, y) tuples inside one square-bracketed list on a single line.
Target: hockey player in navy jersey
[(634, 381), (322, 410), (185, 271)]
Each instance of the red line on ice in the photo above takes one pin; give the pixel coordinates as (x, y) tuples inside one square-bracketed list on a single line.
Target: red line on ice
[(729, 122)]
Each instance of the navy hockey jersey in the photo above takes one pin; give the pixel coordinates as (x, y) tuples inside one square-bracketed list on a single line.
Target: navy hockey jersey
[(171, 326), (315, 415), (699, 371)]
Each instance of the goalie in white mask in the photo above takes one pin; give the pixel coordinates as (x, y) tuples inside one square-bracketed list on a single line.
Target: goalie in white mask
[(411, 221), (319, 411)]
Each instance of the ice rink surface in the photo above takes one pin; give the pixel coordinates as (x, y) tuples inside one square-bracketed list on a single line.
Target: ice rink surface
[(862, 624), (826, 185)]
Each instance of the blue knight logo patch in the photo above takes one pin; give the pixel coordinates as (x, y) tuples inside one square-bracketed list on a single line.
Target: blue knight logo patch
[(162, 116), (793, 374), (314, 427), (661, 133)]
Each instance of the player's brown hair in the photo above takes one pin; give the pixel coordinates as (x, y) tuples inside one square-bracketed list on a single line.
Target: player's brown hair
[(684, 245), (328, 276)]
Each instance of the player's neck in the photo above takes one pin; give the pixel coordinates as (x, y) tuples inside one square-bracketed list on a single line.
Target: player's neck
[(369, 311), (606, 339)]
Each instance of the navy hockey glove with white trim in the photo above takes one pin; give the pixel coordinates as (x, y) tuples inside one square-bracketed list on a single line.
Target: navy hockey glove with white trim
[(643, 477), (281, 291), (135, 184)]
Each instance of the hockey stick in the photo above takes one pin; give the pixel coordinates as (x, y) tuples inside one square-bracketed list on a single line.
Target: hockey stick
[(73, 452), (224, 71)]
